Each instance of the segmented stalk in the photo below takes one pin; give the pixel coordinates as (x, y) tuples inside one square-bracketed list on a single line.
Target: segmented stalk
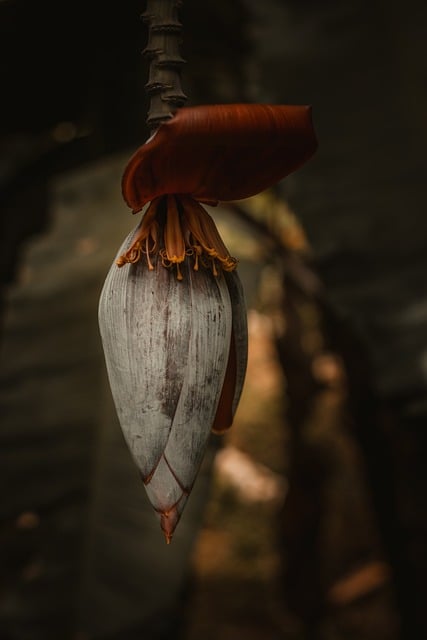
[(164, 82)]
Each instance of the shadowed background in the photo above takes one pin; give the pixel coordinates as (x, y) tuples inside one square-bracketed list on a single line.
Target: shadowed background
[(332, 544)]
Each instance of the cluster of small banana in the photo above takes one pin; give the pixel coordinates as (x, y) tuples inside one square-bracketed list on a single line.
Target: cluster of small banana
[(176, 228)]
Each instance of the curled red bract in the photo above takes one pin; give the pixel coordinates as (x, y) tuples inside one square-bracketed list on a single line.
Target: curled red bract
[(220, 153)]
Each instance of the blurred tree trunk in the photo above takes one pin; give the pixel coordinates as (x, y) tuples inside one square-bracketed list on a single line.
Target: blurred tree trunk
[(361, 200)]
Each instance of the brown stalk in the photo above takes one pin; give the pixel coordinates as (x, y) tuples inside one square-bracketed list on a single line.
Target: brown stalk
[(164, 82)]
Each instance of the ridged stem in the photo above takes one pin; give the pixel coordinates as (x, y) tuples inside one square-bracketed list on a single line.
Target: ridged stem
[(164, 82)]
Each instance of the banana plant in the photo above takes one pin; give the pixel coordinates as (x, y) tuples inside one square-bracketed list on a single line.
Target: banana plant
[(172, 313)]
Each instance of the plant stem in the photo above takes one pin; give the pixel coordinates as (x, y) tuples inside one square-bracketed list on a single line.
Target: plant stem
[(164, 82)]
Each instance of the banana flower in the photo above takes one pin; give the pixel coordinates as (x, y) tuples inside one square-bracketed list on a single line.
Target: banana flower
[(172, 313)]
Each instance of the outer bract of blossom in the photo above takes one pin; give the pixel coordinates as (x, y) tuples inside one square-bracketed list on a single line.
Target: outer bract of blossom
[(167, 344), (220, 153)]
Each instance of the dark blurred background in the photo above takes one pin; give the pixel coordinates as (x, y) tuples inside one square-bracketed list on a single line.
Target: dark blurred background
[(309, 520)]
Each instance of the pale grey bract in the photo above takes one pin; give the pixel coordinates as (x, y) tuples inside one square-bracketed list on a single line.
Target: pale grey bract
[(166, 343)]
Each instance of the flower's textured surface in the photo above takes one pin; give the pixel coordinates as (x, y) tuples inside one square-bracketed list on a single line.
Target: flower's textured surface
[(172, 313)]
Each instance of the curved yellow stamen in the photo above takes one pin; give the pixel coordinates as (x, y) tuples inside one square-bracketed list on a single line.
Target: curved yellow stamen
[(147, 255), (203, 229), (147, 228)]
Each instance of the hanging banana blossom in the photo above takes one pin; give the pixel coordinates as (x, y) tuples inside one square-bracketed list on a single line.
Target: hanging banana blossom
[(172, 313)]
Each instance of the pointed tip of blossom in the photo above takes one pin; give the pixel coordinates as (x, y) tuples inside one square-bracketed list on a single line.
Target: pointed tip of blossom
[(168, 522)]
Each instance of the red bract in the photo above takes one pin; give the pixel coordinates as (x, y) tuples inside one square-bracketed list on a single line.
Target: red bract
[(220, 153)]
